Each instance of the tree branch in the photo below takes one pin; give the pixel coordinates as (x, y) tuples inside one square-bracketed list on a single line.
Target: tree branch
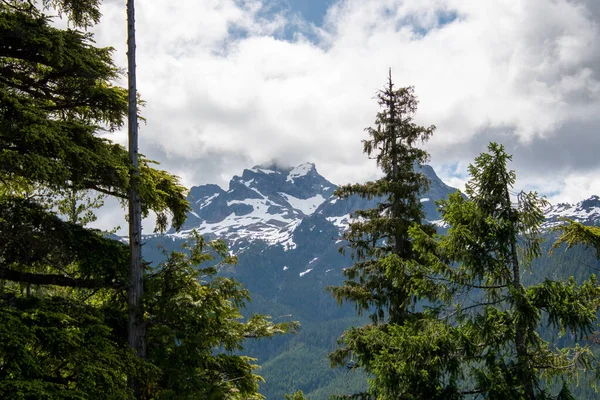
[(57, 280)]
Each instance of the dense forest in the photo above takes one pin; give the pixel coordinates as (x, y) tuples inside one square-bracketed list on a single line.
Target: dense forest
[(486, 304)]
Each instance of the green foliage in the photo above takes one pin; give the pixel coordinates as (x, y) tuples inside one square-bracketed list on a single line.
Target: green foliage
[(55, 348), (299, 362), (75, 344), (55, 95), (573, 233), (32, 240), (388, 276), (476, 328), (415, 359), (63, 301), (296, 396), (195, 327), (77, 206), (379, 233), (80, 13), (489, 245)]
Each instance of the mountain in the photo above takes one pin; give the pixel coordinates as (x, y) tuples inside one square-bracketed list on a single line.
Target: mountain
[(586, 212), (269, 203), (274, 205), (265, 203), (285, 225)]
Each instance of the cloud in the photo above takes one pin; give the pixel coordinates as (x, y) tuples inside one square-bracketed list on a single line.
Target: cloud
[(228, 87)]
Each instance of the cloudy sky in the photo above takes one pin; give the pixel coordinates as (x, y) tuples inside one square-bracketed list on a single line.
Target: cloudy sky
[(234, 83)]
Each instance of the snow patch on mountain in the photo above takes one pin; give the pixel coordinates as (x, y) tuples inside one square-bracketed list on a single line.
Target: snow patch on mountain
[(586, 211), (237, 230), (269, 203), (305, 272), (342, 222), (307, 206), (207, 201), (299, 171), (260, 212), (264, 171)]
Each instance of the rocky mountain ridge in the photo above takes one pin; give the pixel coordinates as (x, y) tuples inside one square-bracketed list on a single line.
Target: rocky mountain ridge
[(586, 212), (269, 203)]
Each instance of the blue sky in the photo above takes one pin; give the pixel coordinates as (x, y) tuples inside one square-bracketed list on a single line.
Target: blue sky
[(312, 11), (307, 14), (303, 16)]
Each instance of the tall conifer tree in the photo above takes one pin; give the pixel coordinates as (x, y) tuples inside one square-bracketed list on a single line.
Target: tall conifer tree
[(493, 320), (380, 235), (388, 277), (63, 300)]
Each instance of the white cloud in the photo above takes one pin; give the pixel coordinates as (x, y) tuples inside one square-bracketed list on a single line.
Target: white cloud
[(526, 71), (574, 187)]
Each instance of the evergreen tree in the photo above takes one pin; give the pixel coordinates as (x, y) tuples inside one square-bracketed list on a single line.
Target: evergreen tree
[(296, 396), (55, 96), (573, 233), (63, 301), (195, 327), (493, 320), (388, 278), (378, 238)]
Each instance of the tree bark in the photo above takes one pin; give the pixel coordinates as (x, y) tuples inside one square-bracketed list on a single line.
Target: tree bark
[(135, 290)]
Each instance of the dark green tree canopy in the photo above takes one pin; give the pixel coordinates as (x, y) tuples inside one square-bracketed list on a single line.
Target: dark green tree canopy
[(80, 13), (378, 238), (195, 327), (37, 247), (63, 287), (55, 96), (474, 330), (494, 234), (389, 278)]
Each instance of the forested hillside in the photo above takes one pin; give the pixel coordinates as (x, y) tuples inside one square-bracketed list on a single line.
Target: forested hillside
[(476, 257)]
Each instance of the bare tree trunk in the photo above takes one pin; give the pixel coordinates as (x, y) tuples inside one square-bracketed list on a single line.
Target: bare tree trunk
[(135, 290)]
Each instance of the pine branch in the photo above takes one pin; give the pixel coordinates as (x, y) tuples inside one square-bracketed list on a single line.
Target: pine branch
[(57, 280)]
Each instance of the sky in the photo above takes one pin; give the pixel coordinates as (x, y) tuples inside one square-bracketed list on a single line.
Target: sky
[(230, 84)]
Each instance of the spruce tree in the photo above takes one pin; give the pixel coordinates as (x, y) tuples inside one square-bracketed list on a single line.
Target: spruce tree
[(379, 236), (494, 234), (388, 277)]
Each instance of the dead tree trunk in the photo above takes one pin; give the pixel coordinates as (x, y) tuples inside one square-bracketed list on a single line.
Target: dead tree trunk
[(135, 290)]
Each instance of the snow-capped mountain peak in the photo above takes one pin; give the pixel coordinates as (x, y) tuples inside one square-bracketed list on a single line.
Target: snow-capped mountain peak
[(300, 171), (283, 205), (586, 211), (265, 202)]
